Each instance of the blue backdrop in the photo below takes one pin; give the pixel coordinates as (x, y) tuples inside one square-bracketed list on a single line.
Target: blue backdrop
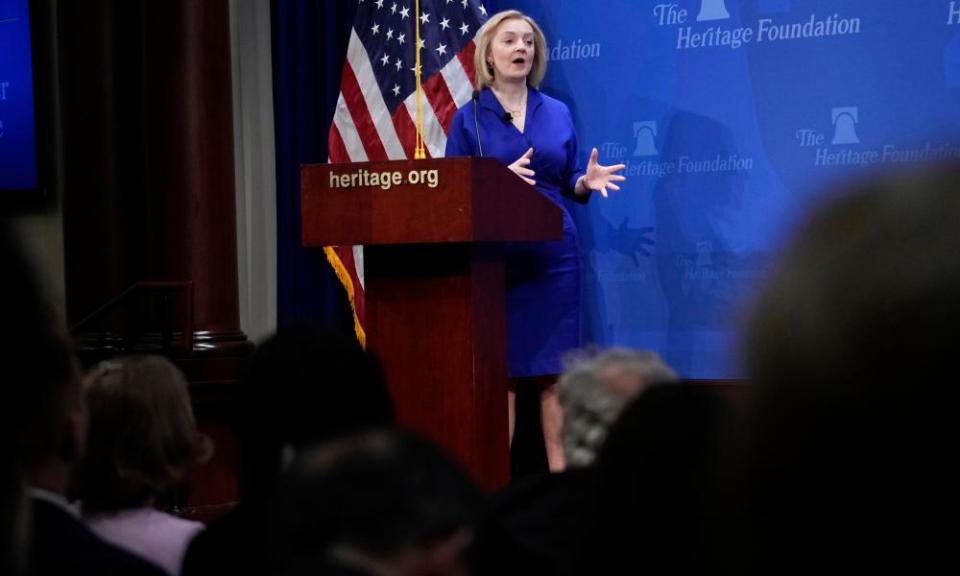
[(18, 143), (733, 117)]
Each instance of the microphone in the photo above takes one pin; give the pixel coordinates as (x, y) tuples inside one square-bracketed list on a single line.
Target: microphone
[(476, 125), (507, 118)]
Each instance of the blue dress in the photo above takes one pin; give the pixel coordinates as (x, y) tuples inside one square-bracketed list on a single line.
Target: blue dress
[(543, 278)]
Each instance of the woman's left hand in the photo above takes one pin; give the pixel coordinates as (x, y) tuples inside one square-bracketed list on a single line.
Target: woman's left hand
[(600, 178)]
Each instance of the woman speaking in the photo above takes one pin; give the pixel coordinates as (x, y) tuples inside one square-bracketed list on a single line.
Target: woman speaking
[(532, 133)]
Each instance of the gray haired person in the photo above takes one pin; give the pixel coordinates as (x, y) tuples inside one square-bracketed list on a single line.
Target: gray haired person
[(595, 387)]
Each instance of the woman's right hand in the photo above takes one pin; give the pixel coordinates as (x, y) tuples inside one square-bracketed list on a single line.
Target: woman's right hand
[(520, 167)]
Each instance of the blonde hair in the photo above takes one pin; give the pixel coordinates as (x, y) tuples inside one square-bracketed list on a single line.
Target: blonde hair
[(483, 71)]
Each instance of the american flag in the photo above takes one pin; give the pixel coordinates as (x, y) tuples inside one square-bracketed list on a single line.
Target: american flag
[(376, 110)]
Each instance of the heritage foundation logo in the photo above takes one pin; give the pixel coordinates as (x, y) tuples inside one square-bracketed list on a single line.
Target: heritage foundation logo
[(844, 149), (641, 157), (953, 13), (765, 30)]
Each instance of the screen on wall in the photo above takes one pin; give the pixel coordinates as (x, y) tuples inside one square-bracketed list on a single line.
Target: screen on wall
[(18, 129)]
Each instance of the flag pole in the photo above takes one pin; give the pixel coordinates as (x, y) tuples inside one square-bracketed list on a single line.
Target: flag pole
[(418, 151)]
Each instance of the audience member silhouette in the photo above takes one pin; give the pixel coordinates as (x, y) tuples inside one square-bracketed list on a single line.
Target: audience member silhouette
[(594, 388), (851, 349), (304, 386), (45, 410), (655, 484), (378, 503), (142, 441), (13, 517), (548, 514)]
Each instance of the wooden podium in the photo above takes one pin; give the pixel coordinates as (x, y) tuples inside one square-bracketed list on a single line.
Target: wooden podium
[(434, 286)]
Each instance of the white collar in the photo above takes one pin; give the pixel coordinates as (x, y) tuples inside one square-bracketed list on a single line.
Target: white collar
[(54, 498)]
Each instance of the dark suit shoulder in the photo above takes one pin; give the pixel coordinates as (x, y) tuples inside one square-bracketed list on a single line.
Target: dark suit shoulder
[(547, 515), (62, 544), (234, 544)]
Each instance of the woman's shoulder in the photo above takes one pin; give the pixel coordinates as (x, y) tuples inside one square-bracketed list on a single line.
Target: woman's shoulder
[(551, 107), (465, 110), (549, 101)]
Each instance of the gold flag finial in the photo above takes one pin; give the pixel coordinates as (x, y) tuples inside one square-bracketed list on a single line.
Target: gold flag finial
[(418, 152)]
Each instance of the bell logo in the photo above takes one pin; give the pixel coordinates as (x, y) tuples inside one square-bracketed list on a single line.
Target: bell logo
[(644, 133), (845, 125), (712, 10)]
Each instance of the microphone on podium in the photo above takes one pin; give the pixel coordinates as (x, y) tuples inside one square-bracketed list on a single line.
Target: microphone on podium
[(476, 125)]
